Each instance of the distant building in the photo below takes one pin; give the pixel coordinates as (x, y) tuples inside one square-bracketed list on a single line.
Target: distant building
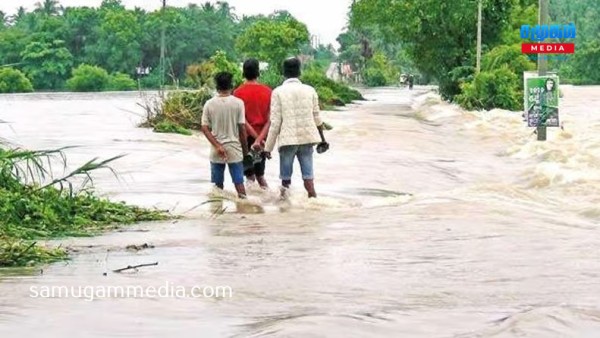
[(315, 41)]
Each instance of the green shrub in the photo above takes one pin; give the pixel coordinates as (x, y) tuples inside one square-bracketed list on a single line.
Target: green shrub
[(374, 77), (462, 74), (509, 57), (87, 78), (179, 110), (121, 82), (14, 81), (172, 128), (152, 80), (318, 79), (199, 75), (222, 64), (326, 94), (583, 68), (492, 89), (33, 208), (380, 71), (271, 77)]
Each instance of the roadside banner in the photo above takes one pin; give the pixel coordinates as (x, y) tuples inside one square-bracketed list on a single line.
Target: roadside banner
[(541, 100)]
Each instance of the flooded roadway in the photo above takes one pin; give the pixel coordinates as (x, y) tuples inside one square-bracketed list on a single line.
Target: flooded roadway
[(431, 222)]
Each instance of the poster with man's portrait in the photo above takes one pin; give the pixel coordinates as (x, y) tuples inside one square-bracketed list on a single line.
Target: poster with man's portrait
[(541, 101)]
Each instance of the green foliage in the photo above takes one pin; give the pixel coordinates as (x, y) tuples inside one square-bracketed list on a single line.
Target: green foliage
[(510, 57), (171, 128), (324, 53), (326, 95), (121, 82), (271, 77), (273, 40), (438, 36), (350, 49), (462, 74), (47, 64), (117, 39), (33, 211), (499, 85), (492, 89), (374, 77), (151, 81), (87, 78), (199, 75), (13, 81), (179, 111), (15, 253), (193, 34), (584, 67), (117, 47), (222, 64), (379, 71), (12, 44), (330, 92), (520, 14), (581, 67)]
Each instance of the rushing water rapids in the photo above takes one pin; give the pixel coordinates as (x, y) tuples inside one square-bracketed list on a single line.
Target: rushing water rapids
[(431, 222)]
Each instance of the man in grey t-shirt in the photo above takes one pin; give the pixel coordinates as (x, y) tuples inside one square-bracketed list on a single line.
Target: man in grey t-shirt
[(223, 124)]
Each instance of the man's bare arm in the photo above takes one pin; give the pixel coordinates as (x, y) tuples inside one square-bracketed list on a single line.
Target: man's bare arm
[(264, 132), (243, 139), (250, 131), (213, 141)]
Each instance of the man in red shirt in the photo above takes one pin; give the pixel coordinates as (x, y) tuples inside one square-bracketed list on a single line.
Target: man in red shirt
[(257, 101)]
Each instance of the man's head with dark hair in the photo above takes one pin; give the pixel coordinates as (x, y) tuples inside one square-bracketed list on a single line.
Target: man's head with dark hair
[(291, 68), (251, 69), (224, 81)]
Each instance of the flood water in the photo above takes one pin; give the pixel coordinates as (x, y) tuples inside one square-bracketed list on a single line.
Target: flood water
[(431, 222)]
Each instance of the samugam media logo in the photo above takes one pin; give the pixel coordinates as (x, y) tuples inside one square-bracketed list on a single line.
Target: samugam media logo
[(540, 33)]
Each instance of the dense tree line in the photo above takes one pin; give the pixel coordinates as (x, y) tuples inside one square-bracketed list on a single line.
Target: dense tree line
[(584, 66), (48, 43), (438, 39)]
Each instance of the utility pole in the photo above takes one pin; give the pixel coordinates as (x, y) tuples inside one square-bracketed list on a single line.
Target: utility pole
[(542, 61), (162, 45), (479, 36)]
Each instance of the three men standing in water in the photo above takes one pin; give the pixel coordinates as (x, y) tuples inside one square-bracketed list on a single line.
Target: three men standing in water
[(289, 115)]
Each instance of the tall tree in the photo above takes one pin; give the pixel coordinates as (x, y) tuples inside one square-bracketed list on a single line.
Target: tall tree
[(117, 47), (438, 36), (48, 7), (273, 40), (47, 64)]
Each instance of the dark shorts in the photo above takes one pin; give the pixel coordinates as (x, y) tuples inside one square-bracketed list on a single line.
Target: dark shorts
[(259, 168)]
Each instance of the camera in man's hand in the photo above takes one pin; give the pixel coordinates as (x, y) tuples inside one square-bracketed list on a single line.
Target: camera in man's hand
[(322, 147)]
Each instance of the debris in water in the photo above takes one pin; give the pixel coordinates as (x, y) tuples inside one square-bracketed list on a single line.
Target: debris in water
[(135, 267), (134, 247)]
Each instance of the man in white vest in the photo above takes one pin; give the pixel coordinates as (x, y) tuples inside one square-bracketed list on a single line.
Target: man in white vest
[(296, 126)]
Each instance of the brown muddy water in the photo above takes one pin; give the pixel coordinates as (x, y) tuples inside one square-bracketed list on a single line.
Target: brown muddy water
[(431, 222)]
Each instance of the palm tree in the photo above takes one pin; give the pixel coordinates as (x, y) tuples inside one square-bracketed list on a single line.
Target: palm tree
[(48, 7), (3, 19), (208, 7), (20, 15)]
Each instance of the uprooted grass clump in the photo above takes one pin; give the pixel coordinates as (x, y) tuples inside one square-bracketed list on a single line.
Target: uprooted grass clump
[(176, 112), (36, 206)]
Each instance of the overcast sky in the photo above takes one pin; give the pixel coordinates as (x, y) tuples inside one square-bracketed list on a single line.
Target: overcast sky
[(325, 18)]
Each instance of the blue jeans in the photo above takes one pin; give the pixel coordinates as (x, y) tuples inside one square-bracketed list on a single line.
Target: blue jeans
[(217, 173), (304, 152)]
